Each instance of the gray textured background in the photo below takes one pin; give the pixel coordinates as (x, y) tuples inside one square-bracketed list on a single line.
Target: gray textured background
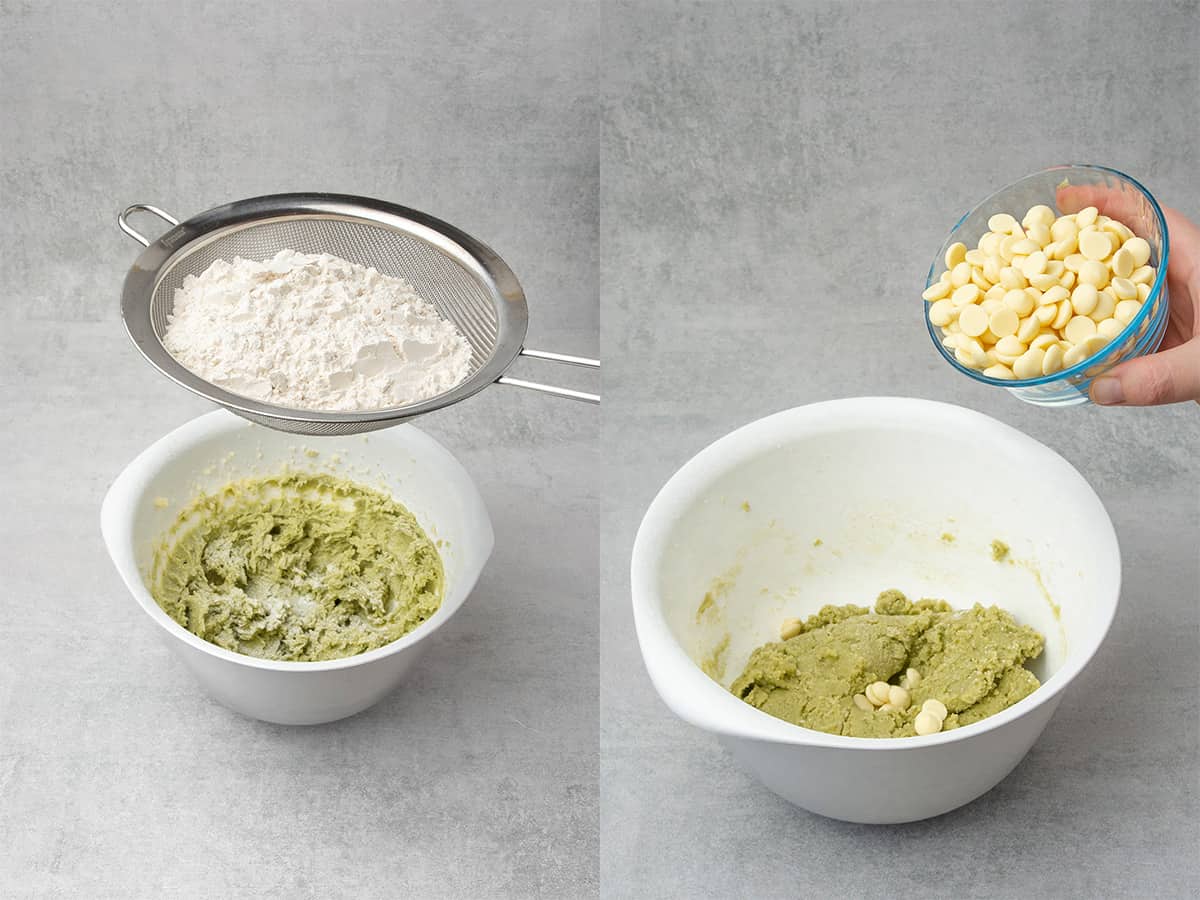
[(776, 178), (117, 778), (767, 182)]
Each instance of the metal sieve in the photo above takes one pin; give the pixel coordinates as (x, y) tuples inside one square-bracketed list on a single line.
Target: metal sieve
[(468, 283)]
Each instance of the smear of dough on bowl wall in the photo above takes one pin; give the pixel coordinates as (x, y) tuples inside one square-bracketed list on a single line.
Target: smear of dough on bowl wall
[(792, 533)]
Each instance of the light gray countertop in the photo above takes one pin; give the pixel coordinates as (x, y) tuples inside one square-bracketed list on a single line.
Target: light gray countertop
[(782, 175), (117, 777)]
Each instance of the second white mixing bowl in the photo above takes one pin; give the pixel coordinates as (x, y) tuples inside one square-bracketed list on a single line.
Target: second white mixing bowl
[(832, 503)]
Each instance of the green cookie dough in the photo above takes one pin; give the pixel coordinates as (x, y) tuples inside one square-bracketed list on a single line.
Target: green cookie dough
[(971, 660), (297, 567)]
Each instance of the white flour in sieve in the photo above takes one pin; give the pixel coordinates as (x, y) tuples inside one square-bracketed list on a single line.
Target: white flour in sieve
[(314, 332)]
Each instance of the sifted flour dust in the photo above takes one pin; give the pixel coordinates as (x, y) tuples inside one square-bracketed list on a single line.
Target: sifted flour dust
[(314, 332)]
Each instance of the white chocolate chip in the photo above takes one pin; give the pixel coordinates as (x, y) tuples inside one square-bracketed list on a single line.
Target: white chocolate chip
[(1084, 299), (1056, 294), (1092, 345), (1126, 310), (1072, 357), (1038, 215), (1084, 350), (1140, 248), (1002, 223), (936, 291), (935, 708), (1012, 278), (1106, 302), (1030, 328), (965, 293), (942, 312), (898, 697), (1124, 288), (1065, 312), (1142, 275), (1093, 272), (1064, 229), (1122, 263), (1053, 360), (927, 724), (972, 320), (878, 692), (1029, 364), (861, 701), (1096, 245), (790, 628), (1079, 329), (955, 254), (1044, 281), (1003, 322), (1019, 301)]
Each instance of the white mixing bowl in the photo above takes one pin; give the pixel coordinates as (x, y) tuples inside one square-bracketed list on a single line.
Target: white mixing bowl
[(832, 503), (211, 451)]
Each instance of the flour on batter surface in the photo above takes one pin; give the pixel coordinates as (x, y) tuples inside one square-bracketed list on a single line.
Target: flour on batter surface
[(314, 332)]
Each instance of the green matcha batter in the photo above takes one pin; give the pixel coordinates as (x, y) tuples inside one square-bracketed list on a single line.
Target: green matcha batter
[(298, 567), (970, 660)]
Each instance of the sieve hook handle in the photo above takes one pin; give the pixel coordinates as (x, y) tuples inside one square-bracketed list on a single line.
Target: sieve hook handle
[(123, 221), (568, 393)]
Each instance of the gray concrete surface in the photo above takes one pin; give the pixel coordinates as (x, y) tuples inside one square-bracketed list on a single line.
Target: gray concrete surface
[(117, 777), (776, 177)]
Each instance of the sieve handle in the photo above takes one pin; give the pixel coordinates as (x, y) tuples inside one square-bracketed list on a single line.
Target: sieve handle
[(562, 358), (568, 393), (123, 221)]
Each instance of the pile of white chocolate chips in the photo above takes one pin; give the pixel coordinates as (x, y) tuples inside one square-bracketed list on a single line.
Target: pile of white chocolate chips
[(895, 697), (1040, 295)]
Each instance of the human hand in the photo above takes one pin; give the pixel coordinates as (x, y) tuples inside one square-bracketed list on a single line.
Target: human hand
[(1171, 375)]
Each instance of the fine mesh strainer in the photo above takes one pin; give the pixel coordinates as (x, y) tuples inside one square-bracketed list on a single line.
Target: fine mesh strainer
[(468, 283)]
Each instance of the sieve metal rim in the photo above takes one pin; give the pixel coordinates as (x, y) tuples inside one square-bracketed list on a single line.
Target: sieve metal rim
[(184, 238)]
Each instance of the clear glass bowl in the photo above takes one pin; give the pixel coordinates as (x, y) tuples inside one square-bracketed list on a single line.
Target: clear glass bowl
[(1144, 332)]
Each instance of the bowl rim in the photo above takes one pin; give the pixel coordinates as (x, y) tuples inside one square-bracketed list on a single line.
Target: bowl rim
[(1101, 355), (117, 516), (698, 699)]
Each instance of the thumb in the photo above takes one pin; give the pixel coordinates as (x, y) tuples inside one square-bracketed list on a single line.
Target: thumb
[(1169, 376)]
